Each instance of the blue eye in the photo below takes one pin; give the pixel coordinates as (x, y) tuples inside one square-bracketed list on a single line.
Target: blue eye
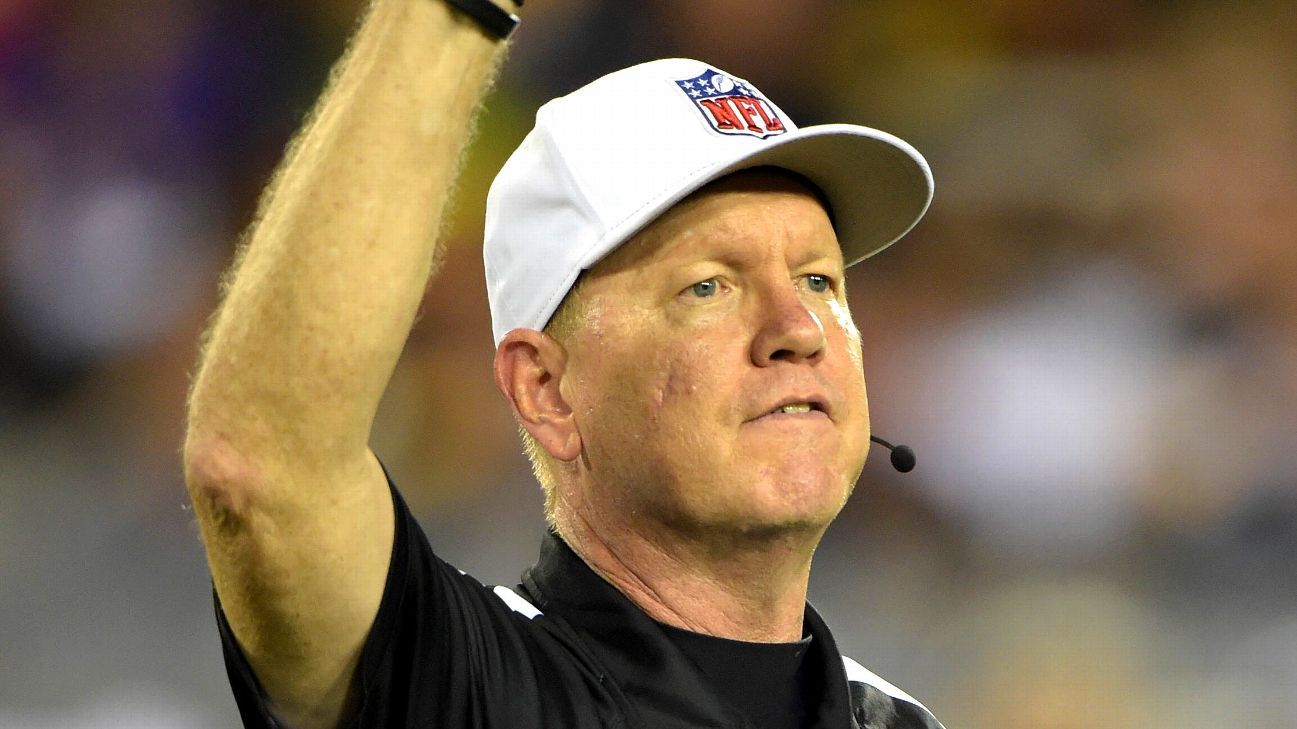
[(705, 289), (818, 282)]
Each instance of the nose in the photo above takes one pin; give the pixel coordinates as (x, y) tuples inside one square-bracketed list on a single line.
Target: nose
[(788, 331)]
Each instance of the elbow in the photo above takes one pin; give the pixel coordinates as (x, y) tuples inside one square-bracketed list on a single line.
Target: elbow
[(223, 481)]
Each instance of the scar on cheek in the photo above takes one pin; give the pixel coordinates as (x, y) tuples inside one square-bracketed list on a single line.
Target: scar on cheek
[(673, 385)]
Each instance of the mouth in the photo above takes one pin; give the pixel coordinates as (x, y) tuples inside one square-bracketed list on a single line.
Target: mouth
[(797, 409)]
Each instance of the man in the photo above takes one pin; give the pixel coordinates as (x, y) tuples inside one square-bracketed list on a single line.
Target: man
[(694, 404)]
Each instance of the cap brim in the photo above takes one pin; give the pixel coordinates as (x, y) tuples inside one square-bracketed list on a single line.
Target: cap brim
[(877, 184)]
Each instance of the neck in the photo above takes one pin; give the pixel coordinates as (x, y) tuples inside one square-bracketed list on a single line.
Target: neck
[(739, 586)]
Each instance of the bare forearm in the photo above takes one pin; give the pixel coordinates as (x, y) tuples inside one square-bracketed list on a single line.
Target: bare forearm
[(294, 512), (318, 309)]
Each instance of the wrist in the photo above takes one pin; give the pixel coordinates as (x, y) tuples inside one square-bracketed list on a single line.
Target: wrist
[(497, 19)]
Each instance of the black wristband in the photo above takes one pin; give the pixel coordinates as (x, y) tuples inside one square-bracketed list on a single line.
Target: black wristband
[(494, 19)]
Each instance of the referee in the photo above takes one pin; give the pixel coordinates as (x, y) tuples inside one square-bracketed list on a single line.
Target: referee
[(664, 257)]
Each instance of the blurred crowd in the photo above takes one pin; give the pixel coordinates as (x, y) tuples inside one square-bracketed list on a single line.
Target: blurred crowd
[(1091, 341)]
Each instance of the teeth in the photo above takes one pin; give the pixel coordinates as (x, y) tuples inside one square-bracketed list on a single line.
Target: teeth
[(797, 407)]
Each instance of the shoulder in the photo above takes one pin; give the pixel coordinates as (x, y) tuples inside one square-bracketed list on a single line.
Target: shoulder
[(517, 603), (878, 704)]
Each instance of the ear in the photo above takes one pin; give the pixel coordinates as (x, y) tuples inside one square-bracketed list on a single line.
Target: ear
[(529, 366)]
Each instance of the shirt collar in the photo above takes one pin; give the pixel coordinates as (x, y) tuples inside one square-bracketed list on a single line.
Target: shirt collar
[(644, 663)]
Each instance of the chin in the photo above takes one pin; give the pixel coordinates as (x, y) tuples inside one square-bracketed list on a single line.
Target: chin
[(790, 494), (793, 505), (758, 512)]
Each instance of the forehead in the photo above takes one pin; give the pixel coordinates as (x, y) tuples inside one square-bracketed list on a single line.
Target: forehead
[(751, 204)]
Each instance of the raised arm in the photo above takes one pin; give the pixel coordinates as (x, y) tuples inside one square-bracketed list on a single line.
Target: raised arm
[(294, 509)]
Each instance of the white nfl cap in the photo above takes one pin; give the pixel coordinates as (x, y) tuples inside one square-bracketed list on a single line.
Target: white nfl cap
[(608, 158)]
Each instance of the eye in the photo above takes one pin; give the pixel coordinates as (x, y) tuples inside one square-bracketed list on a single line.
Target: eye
[(705, 289), (818, 282)]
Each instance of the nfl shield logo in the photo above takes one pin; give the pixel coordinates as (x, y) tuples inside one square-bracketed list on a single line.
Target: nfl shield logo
[(731, 105)]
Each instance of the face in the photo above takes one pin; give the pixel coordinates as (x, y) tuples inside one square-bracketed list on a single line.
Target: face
[(716, 376)]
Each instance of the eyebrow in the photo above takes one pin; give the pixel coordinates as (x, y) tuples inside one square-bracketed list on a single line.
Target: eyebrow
[(733, 254)]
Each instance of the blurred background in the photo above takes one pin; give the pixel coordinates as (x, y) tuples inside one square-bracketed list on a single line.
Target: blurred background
[(1091, 340)]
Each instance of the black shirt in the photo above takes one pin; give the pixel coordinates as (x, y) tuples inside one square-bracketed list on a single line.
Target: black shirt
[(772, 685), (565, 649)]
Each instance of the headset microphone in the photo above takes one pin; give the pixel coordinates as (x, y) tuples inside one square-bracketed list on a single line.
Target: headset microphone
[(902, 455)]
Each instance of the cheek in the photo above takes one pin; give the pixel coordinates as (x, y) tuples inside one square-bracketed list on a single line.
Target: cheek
[(651, 390), (671, 384), (842, 315), (615, 371), (684, 387), (854, 382)]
